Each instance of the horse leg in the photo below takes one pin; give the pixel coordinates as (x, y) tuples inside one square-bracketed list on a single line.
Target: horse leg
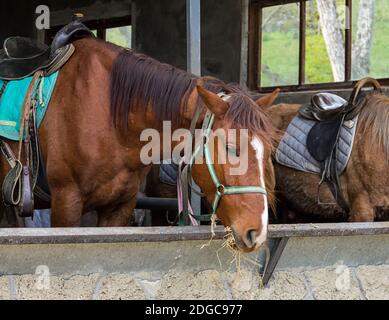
[(66, 207), (119, 217), (361, 209)]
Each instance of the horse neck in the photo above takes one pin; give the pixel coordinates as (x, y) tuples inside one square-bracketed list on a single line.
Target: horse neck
[(143, 125), (171, 130)]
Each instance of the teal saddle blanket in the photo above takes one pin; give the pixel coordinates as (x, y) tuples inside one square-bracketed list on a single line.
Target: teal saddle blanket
[(12, 99)]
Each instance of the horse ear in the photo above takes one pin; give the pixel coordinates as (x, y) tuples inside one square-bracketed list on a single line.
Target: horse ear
[(267, 101), (213, 102)]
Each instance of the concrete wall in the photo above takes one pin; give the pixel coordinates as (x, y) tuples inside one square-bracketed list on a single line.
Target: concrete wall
[(161, 30), (161, 33), (333, 283), (221, 39), (349, 268)]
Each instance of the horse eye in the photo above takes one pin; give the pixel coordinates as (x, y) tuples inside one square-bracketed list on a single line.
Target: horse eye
[(233, 151)]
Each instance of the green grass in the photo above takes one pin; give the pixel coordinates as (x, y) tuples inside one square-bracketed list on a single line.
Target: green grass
[(280, 57)]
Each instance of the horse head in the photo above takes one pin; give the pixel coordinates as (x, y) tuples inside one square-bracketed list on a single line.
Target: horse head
[(239, 184)]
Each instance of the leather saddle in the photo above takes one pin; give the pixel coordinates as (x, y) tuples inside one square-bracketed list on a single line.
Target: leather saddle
[(324, 107), (21, 57), (331, 112), (330, 107)]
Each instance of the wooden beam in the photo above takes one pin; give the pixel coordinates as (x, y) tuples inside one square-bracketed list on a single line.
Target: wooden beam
[(255, 43)]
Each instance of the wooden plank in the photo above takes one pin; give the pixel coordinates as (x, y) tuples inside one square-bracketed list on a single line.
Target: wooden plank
[(161, 234), (254, 45)]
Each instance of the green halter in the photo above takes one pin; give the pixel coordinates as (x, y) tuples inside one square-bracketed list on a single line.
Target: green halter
[(220, 189)]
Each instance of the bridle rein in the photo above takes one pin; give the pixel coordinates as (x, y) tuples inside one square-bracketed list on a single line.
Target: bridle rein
[(185, 180)]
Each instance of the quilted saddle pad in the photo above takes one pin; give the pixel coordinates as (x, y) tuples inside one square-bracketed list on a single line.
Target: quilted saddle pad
[(292, 151)]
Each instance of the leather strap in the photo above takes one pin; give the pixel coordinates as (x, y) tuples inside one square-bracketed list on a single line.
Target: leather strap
[(18, 185), (26, 207), (362, 84), (25, 115), (330, 175), (2, 89), (12, 188), (184, 171), (60, 59)]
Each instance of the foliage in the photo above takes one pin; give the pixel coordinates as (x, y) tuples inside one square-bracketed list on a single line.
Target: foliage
[(280, 44), (120, 36)]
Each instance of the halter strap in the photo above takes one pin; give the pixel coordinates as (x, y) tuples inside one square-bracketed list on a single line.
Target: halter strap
[(185, 175)]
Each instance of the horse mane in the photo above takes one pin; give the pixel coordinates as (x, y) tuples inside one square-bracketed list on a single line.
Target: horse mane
[(138, 81), (374, 118)]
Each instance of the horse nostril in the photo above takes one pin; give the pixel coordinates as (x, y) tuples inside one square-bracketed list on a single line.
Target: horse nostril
[(250, 238)]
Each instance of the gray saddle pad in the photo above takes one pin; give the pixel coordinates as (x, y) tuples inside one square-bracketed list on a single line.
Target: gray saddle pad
[(168, 172), (292, 151)]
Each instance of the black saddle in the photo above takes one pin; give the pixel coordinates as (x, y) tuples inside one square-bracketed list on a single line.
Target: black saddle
[(330, 113), (70, 33), (324, 106), (21, 57)]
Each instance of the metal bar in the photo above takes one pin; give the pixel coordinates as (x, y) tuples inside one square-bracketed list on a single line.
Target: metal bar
[(303, 25), (157, 234), (157, 203), (319, 86), (193, 12), (328, 229), (14, 236), (348, 39), (193, 36), (277, 247)]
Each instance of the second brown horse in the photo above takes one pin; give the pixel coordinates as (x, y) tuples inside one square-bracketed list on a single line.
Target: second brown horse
[(364, 182)]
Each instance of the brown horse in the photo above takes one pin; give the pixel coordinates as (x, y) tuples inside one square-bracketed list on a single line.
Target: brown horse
[(364, 182), (157, 189), (104, 99)]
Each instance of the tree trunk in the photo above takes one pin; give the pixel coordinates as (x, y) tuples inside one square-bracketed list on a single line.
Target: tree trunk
[(332, 32), (364, 39)]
